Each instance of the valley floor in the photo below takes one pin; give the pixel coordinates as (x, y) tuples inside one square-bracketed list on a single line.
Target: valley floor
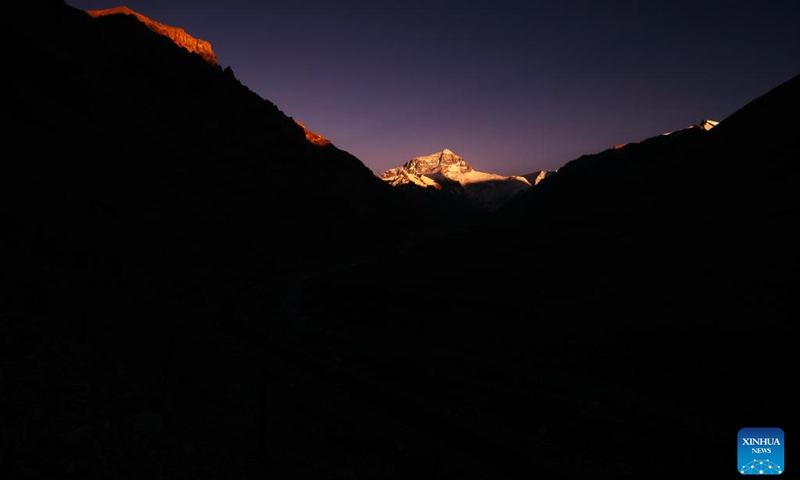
[(487, 368)]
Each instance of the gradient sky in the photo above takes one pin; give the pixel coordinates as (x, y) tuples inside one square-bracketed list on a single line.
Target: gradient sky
[(511, 86)]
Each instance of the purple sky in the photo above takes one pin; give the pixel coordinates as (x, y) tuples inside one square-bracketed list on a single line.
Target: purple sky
[(511, 86)]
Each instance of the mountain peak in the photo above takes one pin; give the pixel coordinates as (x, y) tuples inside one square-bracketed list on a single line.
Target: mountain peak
[(176, 34), (445, 162), (448, 172)]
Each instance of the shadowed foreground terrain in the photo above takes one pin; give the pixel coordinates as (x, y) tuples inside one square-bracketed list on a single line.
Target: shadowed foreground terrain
[(191, 289)]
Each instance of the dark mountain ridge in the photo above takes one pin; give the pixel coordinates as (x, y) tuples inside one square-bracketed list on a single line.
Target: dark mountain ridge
[(135, 148), (727, 163), (705, 215)]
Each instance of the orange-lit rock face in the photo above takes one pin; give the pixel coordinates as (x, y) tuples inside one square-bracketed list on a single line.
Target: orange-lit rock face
[(176, 34), (314, 138)]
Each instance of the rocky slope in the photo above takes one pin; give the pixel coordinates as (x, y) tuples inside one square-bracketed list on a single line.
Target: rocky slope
[(176, 34), (156, 174)]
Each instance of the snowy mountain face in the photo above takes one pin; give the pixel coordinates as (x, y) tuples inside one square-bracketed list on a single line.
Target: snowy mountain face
[(447, 172)]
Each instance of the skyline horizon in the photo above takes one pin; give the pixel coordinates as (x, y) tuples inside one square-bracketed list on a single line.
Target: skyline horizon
[(513, 89), (447, 149)]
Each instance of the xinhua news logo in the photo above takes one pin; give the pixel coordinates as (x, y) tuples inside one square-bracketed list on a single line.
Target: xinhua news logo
[(761, 451)]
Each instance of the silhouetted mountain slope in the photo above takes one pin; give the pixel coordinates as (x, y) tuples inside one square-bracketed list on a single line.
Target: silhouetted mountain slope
[(761, 139), (133, 148), (705, 216), (722, 169), (145, 186), (599, 186), (176, 34)]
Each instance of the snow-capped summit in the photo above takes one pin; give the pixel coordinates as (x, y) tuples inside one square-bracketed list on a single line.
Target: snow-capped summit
[(447, 171), (445, 163)]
